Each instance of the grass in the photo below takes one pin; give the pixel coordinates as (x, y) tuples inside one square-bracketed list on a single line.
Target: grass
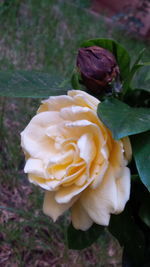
[(42, 35)]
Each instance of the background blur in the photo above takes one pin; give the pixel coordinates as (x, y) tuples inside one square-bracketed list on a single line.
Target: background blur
[(45, 35)]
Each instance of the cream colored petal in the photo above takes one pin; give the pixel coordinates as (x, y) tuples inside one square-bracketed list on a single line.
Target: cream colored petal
[(52, 208), (105, 152), (55, 103), (34, 140), (80, 218), (99, 172), (127, 148), (64, 195), (74, 175), (116, 159), (58, 165), (63, 157), (123, 189), (74, 113), (102, 201), (82, 180), (47, 184), (87, 147), (35, 166), (54, 132), (83, 98), (81, 127)]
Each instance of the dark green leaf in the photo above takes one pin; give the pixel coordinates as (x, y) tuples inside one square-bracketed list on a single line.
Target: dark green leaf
[(125, 229), (140, 201), (78, 239), (142, 78), (136, 65), (141, 152), (120, 53), (138, 98), (123, 120), (135, 68), (30, 84), (139, 57)]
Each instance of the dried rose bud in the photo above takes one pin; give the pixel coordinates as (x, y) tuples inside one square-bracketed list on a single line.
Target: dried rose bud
[(98, 68)]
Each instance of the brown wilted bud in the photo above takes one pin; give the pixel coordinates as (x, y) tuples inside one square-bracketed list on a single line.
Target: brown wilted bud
[(98, 68)]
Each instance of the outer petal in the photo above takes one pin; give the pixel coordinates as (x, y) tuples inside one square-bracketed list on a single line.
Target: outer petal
[(74, 113), (34, 140), (80, 218), (52, 208), (123, 189), (102, 201), (127, 148), (99, 174), (54, 103), (46, 184), (35, 166), (117, 160), (84, 99)]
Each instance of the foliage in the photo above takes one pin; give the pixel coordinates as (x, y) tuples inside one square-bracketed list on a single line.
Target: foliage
[(124, 120), (30, 84), (44, 44), (78, 239)]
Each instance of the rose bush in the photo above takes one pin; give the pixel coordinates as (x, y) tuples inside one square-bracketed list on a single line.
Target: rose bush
[(72, 155)]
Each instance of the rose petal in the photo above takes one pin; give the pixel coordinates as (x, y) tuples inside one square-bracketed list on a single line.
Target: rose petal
[(116, 158), (73, 174), (123, 189), (52, 208), (87, 147), (55, 103), (35, 166), (127, 148), (102, 201), (99, 172), (84, 99), (80, 218), (64, 195), (81, 127), (74, 113), (34, 140), (47, 184)]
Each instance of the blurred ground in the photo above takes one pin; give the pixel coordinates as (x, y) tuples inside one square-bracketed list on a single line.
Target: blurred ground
[(42, 35)]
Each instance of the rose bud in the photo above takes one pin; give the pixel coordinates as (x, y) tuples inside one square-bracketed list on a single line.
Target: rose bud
[(98, 68)]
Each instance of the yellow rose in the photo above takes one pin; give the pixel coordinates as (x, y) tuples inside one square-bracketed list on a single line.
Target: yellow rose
[(72, 155)]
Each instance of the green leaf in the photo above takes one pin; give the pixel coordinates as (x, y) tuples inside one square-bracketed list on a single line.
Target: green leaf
[(120, 53), (75, 80), (30, 84), (134, 70), (78, 239), (141, 152), (125, 229), (123, 120), (136, 66)]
